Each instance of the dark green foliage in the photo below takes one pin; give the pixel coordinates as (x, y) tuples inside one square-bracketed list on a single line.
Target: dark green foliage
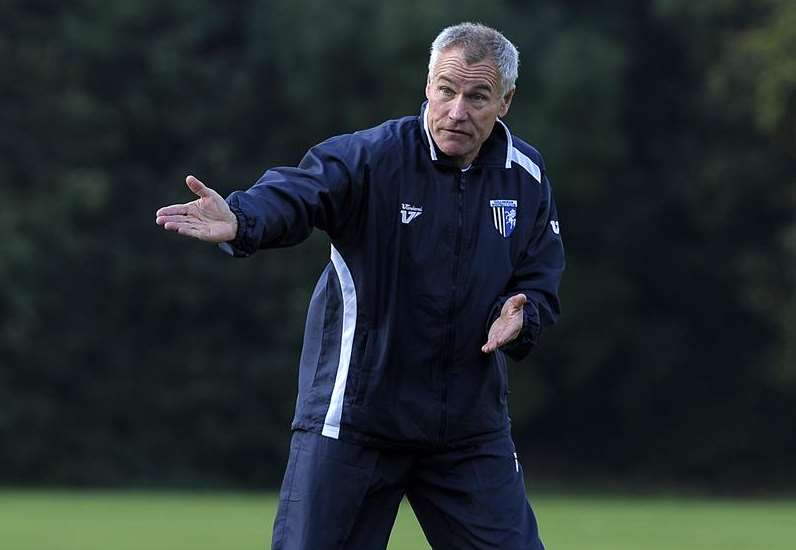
[(128, 355)]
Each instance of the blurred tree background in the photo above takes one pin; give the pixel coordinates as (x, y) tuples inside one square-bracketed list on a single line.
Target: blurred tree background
[(129, 356)]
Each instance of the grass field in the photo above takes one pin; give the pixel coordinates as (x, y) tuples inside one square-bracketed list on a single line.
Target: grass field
[(111, 520)]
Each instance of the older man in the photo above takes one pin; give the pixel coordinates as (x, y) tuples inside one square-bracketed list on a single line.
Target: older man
[(445, 258)]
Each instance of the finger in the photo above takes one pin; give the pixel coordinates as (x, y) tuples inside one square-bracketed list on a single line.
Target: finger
[(190, 231), (185, 229), (174, 209), (176, 218), (491, 346), (175, 225), (493, 342), (197, 186)]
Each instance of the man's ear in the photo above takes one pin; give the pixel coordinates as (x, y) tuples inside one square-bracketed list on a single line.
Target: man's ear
[(428, 87), (506, 102)]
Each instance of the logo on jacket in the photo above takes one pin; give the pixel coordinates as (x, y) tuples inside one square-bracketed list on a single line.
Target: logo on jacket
[(409, 212), (504, 214), (555, 227)]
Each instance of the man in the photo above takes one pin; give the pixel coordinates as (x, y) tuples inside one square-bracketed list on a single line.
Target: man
[(445, 257)]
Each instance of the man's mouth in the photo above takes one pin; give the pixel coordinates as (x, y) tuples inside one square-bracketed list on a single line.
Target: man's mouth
[(457, 132)]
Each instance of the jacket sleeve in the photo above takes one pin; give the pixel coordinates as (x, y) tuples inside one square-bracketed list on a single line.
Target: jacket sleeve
[(537, 276), (286, 204)]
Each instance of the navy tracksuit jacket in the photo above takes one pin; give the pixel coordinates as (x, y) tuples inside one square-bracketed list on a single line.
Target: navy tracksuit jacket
[(423, 256)]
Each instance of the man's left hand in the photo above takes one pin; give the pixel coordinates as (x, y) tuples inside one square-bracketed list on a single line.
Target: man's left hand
[(506, 327)]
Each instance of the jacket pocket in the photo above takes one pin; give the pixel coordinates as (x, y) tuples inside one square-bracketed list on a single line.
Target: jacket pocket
[(501, 367), (360, 367)]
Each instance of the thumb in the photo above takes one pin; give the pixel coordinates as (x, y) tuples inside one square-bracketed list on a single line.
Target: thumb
[(197, 186), (517, 301)]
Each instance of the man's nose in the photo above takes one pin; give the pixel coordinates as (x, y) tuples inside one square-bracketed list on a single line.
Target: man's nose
[(458, 110)]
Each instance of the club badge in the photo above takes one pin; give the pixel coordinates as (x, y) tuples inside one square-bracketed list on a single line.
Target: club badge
[(504, 214), (409, 212)]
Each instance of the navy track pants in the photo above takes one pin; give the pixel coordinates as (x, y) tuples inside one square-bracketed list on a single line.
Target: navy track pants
[(338, 495)]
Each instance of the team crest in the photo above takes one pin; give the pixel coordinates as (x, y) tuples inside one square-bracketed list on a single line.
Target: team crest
[(504, 214), (409, 212)]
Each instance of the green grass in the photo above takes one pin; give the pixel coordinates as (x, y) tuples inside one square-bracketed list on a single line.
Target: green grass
[(118, 520)]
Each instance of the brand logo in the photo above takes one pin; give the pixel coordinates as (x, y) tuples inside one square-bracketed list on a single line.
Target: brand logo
[(504, 214), (409, 212), (556, 227)]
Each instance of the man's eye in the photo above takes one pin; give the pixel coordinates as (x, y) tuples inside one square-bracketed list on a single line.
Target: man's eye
[(444, 90), (479, 97)]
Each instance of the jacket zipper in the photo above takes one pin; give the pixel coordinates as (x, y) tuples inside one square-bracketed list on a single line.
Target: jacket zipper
[(457, 250)]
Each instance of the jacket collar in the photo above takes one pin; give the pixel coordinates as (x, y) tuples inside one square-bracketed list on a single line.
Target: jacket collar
[(495, 152)]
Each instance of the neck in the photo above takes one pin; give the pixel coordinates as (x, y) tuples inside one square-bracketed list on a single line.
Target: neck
[(466, 162)]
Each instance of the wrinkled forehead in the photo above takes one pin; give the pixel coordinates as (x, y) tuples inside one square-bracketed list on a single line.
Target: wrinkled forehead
[(452, 65)]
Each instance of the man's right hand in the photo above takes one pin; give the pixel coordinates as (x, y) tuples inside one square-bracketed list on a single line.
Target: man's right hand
[(208, 218)]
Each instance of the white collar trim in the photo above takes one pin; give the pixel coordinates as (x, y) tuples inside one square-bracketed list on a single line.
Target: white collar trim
[(428, 135)]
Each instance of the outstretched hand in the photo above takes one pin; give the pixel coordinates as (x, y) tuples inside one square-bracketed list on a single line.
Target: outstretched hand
[(208, 218), (506, 327)]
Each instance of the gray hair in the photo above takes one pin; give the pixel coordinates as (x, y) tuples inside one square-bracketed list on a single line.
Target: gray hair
[(479, 42)]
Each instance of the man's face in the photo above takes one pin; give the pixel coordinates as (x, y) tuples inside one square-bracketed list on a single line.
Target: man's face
[(463, 103)]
